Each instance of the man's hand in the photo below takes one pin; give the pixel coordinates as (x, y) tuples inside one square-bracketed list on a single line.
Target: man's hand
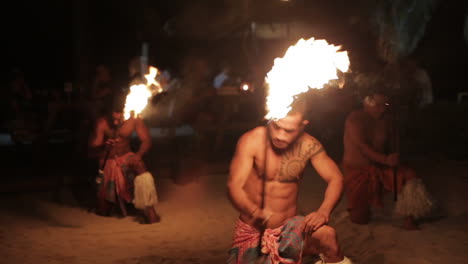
[(314, 221), (392, 160), (112, 141), (261, 216)]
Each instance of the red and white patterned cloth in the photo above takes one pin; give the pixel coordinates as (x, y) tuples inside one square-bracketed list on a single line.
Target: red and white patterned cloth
[(246, 242)]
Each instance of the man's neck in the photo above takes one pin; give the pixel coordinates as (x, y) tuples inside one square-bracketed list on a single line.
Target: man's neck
[(289, 148)]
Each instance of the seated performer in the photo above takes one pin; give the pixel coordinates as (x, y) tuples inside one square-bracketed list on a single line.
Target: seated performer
[(124, 177), (370, 168), (263, 186)]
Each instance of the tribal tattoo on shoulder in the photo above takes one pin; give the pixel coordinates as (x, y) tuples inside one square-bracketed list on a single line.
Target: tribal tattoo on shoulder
[(294, 161)]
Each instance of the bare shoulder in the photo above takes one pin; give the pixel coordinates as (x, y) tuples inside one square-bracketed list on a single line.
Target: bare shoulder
[(308, 138), (252, 138), (355, 115), (311, 144), (102, 124), (355, 118), (138, 122), (253, 135), (133, 123)]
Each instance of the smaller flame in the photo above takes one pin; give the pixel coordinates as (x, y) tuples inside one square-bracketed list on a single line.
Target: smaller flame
[(151, 77), (137, 98)]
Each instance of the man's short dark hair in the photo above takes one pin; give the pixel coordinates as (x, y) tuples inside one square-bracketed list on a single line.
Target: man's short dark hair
[(299, 106)]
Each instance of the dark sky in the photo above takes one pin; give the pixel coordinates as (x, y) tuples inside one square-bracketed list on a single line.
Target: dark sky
[(41, 36), (37, 36)]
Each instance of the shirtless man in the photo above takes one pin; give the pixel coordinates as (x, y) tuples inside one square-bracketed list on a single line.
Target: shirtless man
[(124, 170), (269, 206), (369, 166)]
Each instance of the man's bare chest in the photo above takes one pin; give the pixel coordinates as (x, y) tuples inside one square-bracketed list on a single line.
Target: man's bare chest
[(377, 133), (123, 131), (284, 167)]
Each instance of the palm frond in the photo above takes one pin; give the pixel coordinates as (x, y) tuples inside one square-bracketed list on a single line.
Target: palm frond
[(400, 26)]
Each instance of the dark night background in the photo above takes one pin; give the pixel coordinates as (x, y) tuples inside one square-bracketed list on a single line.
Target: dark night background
[(47, 39)]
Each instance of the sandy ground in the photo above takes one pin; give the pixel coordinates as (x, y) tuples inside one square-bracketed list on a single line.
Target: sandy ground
[(197, 225)]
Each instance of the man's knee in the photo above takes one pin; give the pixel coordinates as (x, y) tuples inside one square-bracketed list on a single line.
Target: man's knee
[(327, 240), (406, 174), (410, 174), (326, 235), (326, 232), (138, 166)]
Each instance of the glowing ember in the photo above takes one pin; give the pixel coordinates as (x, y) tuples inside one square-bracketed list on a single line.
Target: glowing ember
[(137, 98), (308, 64)]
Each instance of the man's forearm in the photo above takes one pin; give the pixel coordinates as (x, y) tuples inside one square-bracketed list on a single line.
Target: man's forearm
[(373, 155), (332, 195), (144, 147), (241, 202)]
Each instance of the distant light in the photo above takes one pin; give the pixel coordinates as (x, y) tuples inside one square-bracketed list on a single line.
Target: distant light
[(245, 87)]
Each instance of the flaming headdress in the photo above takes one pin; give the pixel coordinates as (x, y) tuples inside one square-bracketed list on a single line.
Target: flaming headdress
[(308, 64), (137, 98)]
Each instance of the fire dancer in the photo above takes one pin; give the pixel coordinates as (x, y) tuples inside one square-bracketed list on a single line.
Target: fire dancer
[(125, 177), (371, 167), (263, 186)]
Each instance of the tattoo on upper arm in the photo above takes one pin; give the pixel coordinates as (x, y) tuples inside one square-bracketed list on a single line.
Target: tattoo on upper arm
[(295, 160)]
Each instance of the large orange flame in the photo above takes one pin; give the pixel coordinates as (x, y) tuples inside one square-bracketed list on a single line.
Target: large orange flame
[(308, 64)]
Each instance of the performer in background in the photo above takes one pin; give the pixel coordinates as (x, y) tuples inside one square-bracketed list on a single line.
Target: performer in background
[(124, 178), (371, 167)]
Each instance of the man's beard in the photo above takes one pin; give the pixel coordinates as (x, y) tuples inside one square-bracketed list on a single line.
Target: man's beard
[(279, 150), (282, 150)]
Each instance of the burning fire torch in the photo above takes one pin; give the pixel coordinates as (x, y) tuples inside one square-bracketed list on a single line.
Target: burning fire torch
[(137, 98), (135, 102), (309, 64)]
